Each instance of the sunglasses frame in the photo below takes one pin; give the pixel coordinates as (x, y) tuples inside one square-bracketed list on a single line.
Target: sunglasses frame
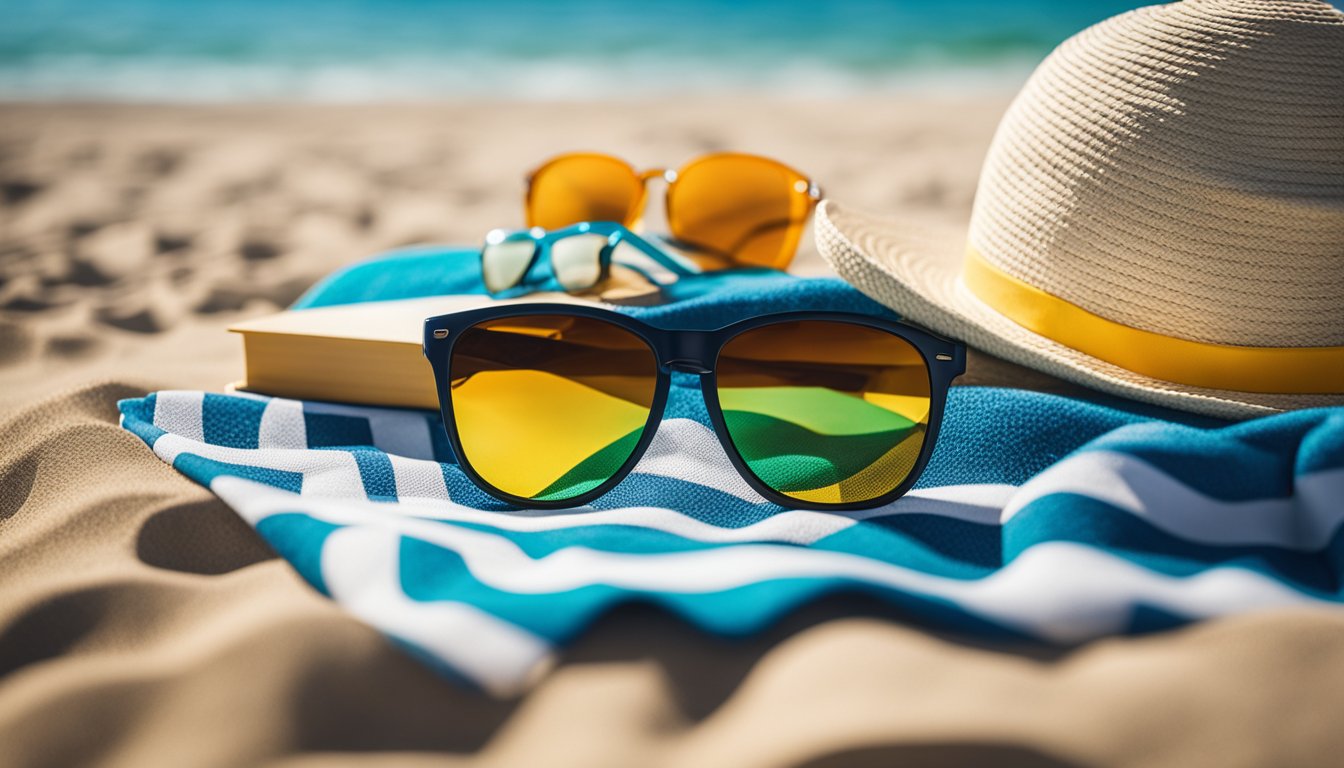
[(695, 352), (543, 239), (813, 193)]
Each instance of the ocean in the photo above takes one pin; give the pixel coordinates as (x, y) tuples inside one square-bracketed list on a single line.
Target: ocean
[(413, 50)]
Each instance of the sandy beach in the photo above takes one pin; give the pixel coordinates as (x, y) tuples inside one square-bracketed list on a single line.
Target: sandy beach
[(130, 236), (143, 623)]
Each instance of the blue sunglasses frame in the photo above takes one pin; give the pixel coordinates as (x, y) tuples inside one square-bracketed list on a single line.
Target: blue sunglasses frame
[(695, 352), (543, 239)]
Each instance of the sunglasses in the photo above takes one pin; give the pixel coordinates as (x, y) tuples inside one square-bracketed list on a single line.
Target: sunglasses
[(743, 209), (579, 257), (551, 405)]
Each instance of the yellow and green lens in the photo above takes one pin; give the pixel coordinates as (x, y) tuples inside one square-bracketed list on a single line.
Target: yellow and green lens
[(825, 412), (549, 407)]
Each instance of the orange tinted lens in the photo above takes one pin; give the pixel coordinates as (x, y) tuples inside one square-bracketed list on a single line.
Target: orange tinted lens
[(549, 407), (576, 188), (745, 208), (825, 412)]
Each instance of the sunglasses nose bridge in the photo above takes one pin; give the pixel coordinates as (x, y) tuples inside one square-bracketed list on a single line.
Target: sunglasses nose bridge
[(666, 174), (689, 352)]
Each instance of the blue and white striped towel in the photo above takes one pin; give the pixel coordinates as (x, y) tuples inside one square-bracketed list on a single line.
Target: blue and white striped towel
[(1038, 517)]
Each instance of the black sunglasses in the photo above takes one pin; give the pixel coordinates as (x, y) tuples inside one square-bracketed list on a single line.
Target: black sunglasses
[(551, 405)]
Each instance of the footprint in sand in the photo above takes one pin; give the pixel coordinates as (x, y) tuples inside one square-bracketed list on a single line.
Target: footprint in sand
[(72, 346), (159, 162), (14, 192), (112, 253), (137, 321), (258, 250), (233, 297), (28, 303)]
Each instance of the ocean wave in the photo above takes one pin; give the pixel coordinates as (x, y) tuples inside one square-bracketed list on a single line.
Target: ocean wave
[(418, 79), (407, 50)]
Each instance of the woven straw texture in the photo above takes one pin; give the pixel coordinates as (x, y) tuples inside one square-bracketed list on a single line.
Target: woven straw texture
[(1178, 169)]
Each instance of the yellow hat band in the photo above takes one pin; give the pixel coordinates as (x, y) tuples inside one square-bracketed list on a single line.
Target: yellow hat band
[(1267, 370)]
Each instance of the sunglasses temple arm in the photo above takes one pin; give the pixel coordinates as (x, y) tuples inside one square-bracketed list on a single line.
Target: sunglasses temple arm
[(666, 259)]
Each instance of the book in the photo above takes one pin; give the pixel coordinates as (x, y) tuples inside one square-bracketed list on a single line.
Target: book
[(369, 353)]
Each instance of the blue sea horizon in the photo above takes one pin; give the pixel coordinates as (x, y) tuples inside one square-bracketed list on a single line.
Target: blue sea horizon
[(418, 50)]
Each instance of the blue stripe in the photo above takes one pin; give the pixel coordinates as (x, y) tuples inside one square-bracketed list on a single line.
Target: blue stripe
[(1148, 618), (233, 422), (299, 538), (946, 546), (1323, 447), (430, 573), (329, 430), (886, 541), (375, 471), (1008, 436), (952, 548), (139, 408), (715, 299), (138, 417), (204, 471), (1231, 464), (1069, 517)]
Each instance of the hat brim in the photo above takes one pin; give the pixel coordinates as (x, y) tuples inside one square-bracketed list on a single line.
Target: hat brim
[(916, 270)]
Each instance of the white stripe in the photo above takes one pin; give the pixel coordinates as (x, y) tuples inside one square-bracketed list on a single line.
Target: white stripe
[(684, 449), (974, 503), (403, 432), (421, 489), (792, 526), (418, 479), (180, 413), (1306, 520), (325, 473), (282, 425), (687, 450), (1060, 591), (361, 568)]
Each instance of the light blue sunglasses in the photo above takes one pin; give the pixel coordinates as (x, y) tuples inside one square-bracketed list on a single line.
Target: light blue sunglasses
[(576, 258)]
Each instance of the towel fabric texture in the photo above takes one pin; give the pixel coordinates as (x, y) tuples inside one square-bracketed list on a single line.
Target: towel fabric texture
[(1039, 518)]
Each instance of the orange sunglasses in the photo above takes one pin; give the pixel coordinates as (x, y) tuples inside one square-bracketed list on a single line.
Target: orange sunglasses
[(745, 209)]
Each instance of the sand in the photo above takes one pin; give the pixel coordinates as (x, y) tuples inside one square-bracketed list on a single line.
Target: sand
[(142, 623), (130, 235)]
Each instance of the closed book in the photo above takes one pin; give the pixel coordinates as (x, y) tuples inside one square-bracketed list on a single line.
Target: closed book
[(358, 353)]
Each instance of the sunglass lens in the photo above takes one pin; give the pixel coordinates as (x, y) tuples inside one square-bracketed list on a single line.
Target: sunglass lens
[(575, 188), (825, 412), (577, 261), (549, 407), (505, 262), (745, 208)]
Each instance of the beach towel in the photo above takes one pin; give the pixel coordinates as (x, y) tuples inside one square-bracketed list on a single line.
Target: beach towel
[(1040, 518)]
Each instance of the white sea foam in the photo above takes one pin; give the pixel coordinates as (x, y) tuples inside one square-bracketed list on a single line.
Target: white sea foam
[(475, 76)]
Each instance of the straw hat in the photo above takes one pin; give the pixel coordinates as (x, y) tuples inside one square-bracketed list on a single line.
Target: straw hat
[(1160, 215)]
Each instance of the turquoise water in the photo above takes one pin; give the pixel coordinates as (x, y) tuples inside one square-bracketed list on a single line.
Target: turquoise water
[(208, 50)]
